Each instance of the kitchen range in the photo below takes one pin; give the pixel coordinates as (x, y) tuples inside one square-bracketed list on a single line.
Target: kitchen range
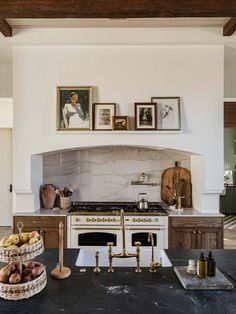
[(93, 224)]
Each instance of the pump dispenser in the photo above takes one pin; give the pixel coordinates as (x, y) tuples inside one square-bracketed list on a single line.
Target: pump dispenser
[(211, 265), (202, 267)]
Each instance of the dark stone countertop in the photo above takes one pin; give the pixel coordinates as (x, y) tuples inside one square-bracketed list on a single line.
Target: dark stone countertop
[(125, 291)]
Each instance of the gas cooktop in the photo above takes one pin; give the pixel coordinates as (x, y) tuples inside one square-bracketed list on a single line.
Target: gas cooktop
[(107, 207)]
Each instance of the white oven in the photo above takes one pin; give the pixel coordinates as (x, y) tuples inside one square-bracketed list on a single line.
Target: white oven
[(97, 231)]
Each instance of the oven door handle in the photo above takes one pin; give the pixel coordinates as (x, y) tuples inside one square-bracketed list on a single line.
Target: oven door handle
[(94, 230), (149, 229)]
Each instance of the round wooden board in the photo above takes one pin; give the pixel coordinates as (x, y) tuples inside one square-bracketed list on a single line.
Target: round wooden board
[(64, 273)]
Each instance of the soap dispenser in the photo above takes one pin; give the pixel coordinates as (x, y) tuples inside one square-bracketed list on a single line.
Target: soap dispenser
[(211, 265), (202, 266)]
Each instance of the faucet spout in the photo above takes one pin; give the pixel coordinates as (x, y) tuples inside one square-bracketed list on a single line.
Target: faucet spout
[(152, 264)]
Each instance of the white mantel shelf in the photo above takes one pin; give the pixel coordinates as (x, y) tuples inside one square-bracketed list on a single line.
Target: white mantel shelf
[(120, 132)]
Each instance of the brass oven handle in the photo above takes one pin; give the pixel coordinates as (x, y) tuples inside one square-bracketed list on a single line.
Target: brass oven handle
[(79, 228), (154, 229)]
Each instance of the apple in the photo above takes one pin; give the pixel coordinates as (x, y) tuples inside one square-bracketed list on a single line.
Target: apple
[(33, 240), (33, 234), (14, 238), (24, 237)]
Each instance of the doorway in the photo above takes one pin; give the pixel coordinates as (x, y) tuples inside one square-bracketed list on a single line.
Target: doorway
[(5, 177)]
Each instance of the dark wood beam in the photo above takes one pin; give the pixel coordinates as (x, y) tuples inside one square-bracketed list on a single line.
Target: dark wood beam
[(230, 27), (5, 28), (116, 8)]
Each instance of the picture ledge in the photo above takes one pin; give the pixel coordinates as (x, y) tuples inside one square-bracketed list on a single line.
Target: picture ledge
[(122, 132)]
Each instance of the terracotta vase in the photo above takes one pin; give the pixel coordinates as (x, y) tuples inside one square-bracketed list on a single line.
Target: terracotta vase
[(48, 192)]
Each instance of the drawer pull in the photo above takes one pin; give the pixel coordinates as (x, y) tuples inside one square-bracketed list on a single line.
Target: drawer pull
[(194, 231), (36, 222)]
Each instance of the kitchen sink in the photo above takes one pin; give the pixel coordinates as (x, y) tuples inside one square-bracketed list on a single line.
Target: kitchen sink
[(86, 258)]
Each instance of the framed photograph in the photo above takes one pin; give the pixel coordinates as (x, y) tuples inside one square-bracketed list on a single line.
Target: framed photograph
[(102, 116), (168, 113), (74, 108), (121, 123), (145, 116)]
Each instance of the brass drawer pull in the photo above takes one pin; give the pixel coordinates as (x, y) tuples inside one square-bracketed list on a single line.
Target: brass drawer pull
[(36, 222)]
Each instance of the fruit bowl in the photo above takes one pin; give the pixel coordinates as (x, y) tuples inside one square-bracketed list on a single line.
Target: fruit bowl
[(22, 253), (24, 290)]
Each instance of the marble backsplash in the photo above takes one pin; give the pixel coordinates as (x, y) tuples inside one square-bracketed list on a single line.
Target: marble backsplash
[(105, 173)]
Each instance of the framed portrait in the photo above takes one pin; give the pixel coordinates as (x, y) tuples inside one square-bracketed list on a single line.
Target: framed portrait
[(74, 108), (102, 116), (168, 113), (145, 116), (121, 123)]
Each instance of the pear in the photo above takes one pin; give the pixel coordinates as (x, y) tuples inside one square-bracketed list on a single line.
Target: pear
[(24, 237), (2, 241), (7, 242), (12, 247), (33, 234), (33, 240), (24, 245), (14, 238)]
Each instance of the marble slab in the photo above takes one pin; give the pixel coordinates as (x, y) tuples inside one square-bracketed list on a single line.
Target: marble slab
[(105, 173), (192, 282)]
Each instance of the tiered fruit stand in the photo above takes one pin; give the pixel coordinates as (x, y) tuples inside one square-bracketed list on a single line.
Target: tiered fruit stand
[(19, 255)]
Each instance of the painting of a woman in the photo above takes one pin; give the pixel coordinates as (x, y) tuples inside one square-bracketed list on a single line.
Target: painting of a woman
[(74, 108)]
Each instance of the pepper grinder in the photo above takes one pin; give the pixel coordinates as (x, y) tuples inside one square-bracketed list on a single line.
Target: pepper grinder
[(61, 272), (97, 270)]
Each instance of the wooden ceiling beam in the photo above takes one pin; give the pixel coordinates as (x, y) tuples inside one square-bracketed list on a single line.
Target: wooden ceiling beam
[(5, 28), (230, 27), (116, 9)]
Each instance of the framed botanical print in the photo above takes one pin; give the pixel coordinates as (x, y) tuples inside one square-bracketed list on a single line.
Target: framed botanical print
[(145, 116), (102, 116), (74, 108), (121, 123), (168, 113)]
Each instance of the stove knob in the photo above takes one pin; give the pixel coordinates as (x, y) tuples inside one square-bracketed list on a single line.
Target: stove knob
[(88, 220), (77, 219), (93, 219), (99, 219), (150, 220)]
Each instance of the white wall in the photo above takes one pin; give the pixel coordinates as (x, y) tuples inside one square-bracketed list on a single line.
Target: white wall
[(230, 80), (121, 74), (5, 80), (6, 113)]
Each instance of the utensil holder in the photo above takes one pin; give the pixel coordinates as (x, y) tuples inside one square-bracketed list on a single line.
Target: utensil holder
[(65, 202)]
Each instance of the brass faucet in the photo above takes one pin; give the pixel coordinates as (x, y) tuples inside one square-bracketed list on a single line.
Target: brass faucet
[(124, 253), (153, 265), (97, 270)]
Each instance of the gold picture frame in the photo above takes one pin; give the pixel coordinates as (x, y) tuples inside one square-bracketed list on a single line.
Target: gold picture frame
[(74, 108)]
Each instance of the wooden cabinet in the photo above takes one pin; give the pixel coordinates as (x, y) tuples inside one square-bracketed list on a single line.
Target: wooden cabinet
[(47, 226), (196, 232)]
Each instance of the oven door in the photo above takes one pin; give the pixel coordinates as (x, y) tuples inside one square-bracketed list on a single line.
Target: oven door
[(140, 234), (90, 237)]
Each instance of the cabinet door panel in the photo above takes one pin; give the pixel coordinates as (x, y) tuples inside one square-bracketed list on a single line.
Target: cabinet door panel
[(230, 200), (183, 238), (50, 237), (209, 239)]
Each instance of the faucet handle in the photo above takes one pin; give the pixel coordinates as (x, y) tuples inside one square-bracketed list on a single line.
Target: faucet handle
[(110, 243), (138, 243)]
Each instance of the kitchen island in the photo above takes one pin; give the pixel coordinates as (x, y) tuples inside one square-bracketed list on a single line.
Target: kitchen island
[(124, 291)]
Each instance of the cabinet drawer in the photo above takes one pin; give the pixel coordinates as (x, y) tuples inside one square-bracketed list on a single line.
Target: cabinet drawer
[(37, 221), (193, 222)]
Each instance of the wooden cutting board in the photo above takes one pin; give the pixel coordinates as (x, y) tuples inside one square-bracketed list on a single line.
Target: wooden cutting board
[(192, 282), (176, 180)]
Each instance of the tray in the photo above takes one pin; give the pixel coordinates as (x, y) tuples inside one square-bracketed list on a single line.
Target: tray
[(192, 282)]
